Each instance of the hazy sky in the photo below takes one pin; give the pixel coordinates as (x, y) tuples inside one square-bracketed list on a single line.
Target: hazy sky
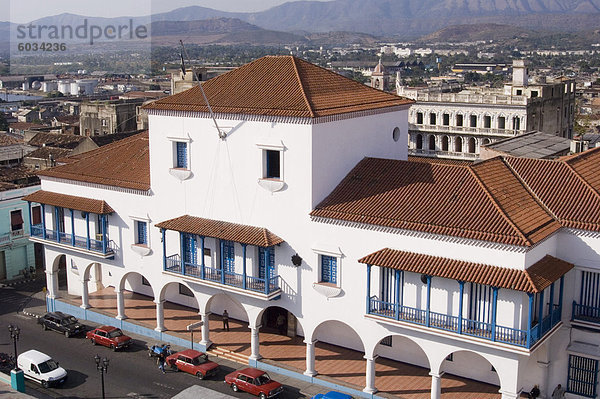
[(27, 10)]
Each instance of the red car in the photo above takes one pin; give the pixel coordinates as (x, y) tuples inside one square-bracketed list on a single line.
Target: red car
[(254, 381), (193, 362), (109, 336)]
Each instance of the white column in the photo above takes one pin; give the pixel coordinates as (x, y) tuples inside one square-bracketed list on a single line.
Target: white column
[(52, 284), (310, 358), (370, 375), (254, 343), (205, 330), (436, 385), (120, 305), (160, 315), (85, 300), (508, 395)]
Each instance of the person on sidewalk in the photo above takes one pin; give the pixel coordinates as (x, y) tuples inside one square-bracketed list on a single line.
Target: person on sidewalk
[(559, 392), (225, 320), (161, 362)]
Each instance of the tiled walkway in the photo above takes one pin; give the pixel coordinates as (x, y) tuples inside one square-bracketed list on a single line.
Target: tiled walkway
[(394, 379)]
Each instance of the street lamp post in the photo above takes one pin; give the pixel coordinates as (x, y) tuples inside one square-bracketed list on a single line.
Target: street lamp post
[(17, 379), (14, 335), (102, 366)]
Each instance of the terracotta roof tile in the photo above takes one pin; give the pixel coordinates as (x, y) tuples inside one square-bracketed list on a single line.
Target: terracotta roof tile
[(124, 163), (534, 279), (244, 234), (281, 86), (69, 202)]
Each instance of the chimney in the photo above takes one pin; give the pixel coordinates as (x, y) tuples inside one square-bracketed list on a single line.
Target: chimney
[(520, 77)]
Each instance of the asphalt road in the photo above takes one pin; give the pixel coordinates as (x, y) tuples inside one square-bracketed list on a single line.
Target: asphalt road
[(131, 374)]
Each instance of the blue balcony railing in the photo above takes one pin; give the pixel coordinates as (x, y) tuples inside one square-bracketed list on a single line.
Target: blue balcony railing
[(590, 314), (255, 284), (474, 328), (86, 243)]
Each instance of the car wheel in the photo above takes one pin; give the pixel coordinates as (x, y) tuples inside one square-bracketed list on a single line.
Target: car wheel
[(67, 334), (200, 375), (174, 367), (114, 348), (93, 341), (44, 327), (45, 384), (262, 395), (234, 388)]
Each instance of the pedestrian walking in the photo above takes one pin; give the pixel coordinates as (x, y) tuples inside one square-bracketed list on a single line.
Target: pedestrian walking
[(161, 362), (225, 320), (535, 392), (559, 392)]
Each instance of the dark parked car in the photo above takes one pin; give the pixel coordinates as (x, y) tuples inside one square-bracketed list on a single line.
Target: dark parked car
[(62, 323), (254, 381), (109, 336)]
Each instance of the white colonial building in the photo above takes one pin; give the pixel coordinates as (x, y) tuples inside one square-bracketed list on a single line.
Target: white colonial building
[(455, 125), (303, 199)]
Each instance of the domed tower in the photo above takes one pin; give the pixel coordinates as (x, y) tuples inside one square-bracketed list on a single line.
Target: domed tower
[(379, 79)]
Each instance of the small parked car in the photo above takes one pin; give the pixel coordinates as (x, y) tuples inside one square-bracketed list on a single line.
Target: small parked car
[(193, 362), (254, 381), (62, 323), (332, 395), (109, 336), (40, 367)]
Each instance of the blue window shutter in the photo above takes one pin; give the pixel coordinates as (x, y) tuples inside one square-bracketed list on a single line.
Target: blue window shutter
[(261, 262), (228, 256), (189, 248), (142, 236), (182, 161), (328, 269)]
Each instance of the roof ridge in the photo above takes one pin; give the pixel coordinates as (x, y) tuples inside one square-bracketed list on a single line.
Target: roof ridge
[(584, 181), (496, 205), (302, 89)]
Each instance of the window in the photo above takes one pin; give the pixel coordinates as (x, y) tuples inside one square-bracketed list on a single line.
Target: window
[(501, 122), (396, 134), (419, 118), (181, 160), (272, 164), (16, 220), (36, 215), (534, 93), (142, 232), (419, 142), (445, 143), (519, 92), (261, 262), (185, 291), (432, 118), (487, 121), (328, 269), (228, 261), (459, 120), (387, 341), (432, 143), (582, 376), (473, 120), (458, 144), (450, 357), (446, 119), (145, 282)]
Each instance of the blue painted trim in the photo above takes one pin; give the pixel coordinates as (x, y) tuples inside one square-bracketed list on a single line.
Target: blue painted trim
[(29, 213), (461, 290), (368, 301), (244, 266), (104, 235), (57, 224), (540, 315), (529, 319), (72, 228), (427, 314), (551, 306), (202, 272), (397, 295), (164, 248), (182, 252), (494, 311), (87, 228), (267, 271), (44, 221), (221, 245), (560, 295)]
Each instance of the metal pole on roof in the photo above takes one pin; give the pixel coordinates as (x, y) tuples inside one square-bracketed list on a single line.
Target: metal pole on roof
[(222, 134)]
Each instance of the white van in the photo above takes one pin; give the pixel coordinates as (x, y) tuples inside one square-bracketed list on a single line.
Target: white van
[(40, 367)]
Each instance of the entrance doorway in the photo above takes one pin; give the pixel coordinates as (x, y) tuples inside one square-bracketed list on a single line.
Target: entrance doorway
[(275, 320)]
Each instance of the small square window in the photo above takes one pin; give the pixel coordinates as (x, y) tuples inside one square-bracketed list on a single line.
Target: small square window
[(273, 164), (387, 341), (145, 282), (450, 357), (328, 269), (184, 290), (181, 156), (16, 220), (141, 232)]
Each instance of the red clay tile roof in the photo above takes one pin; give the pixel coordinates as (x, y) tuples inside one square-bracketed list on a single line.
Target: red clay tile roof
[(124, 163), (534, 279), (439, 198), (69, 202), (250, 235), (281, 86)]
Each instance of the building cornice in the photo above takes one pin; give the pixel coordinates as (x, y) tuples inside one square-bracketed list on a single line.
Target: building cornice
[(96, 185)]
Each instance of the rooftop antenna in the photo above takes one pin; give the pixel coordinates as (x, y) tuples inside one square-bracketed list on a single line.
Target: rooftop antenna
[(222, 134)]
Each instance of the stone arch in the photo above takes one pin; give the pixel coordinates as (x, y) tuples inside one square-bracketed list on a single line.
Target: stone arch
[(472, 145), (445, 143), (137, 284), (58, 262), (268, 319), (163, 291), (352, 337), (431, 145), (458, 142), (378, 348), (485, 141), (222, 301), (474, 362), (419, 142), (59, 271)]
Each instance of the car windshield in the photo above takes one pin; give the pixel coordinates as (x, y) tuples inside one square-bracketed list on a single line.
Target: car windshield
[(115, 333), (199, 359), (262, 379), (47, 366)]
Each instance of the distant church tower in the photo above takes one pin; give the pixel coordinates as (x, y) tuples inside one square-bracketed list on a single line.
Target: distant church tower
[(379, 79)]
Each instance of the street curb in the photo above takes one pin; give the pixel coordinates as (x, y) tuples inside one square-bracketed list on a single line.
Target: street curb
[(16, 282), (37, 316)]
